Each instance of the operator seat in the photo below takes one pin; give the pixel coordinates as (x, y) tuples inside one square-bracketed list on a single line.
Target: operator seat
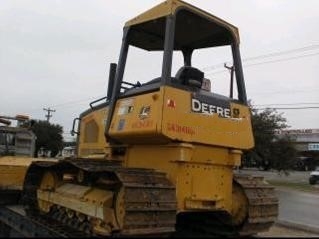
[(190, 76)]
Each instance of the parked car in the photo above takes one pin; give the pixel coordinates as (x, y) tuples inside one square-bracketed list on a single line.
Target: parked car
[(314, 176), (306, 163)]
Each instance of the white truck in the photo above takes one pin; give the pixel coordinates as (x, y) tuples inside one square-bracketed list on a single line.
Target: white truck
[(314, 176)]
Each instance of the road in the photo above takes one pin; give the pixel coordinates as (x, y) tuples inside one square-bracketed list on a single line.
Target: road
[(277, 231), (298, 207)]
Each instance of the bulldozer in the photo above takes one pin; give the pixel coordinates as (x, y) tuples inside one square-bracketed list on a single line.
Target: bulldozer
[(158, 158), (16, 140), (17, 148), (17, 145)]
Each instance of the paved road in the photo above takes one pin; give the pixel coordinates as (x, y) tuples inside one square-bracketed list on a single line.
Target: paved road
[(298, 207), (277, 231)]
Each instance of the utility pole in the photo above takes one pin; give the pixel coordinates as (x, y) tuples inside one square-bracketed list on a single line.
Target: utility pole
[(49, 115), (231, 70)]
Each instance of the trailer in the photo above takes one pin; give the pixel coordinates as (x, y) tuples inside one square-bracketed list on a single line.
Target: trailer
[(15, 222)]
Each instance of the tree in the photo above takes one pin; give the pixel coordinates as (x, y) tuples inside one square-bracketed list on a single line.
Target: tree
[(283, 154), (271, 150), (49, 136)]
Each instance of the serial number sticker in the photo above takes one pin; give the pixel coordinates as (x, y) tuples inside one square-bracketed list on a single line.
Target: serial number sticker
[(142, 124), (125, 107), (121, 125), (180, 128)]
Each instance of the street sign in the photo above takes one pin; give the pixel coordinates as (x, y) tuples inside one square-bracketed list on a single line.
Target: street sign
[(313, 147)]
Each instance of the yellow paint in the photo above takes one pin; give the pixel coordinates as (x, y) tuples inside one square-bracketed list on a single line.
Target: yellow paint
[(239, 205), (13, 170), (207, 147), (208, 129), (93, 202), (170, 7), (136, 126), (164, 123), (159, 130), (202, 174), (91, 138)]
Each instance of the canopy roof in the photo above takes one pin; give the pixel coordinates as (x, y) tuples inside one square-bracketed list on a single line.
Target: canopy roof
[(194, 28)]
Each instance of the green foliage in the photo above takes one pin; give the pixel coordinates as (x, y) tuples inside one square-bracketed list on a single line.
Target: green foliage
[(271, 150), (49, 136), (283, 154)]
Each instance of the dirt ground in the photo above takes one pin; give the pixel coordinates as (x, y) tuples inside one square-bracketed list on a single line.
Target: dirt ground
[(280, 231)]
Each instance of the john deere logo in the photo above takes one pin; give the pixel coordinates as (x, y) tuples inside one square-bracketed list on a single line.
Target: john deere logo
[(144, 112)]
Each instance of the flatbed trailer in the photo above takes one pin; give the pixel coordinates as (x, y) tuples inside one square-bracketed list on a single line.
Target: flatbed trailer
[(14, 222)]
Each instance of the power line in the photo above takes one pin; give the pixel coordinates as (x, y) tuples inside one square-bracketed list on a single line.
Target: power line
[(267, 62), (290, 108), (213, 67), (283, 91), (298, 103), (273, 54), (283, 59), (306, 48), (75, 101)]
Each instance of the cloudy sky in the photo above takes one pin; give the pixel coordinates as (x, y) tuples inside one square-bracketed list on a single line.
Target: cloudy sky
[(57, 53)]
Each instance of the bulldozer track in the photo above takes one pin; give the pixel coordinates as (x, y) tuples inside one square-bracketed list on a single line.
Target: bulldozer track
[(8, 196), (149, 200), (262, 204), (35, 225)]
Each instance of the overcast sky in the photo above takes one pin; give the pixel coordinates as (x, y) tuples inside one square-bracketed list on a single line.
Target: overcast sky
[(57, 53)]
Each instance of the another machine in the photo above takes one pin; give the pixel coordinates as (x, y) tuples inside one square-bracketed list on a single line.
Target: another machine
[(167, 165), (17, 145), (16, 140)]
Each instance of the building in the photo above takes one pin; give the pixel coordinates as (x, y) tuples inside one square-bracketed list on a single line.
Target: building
[(306, 142)]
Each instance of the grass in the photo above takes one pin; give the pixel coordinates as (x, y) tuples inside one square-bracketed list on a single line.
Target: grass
[(301, 186)]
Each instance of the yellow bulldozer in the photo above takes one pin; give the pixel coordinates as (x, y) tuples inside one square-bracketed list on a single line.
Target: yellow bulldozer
[(157, 158), (17, 148)]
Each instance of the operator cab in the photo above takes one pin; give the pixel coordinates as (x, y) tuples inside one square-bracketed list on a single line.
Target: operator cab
[(158, 36), (171, 38), (187, 77)]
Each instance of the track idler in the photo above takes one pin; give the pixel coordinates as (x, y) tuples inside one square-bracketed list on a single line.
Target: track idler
[(255, 204)]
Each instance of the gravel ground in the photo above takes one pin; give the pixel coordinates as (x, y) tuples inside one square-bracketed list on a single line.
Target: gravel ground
[(274, 174), (292, 176), (280, 231)]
